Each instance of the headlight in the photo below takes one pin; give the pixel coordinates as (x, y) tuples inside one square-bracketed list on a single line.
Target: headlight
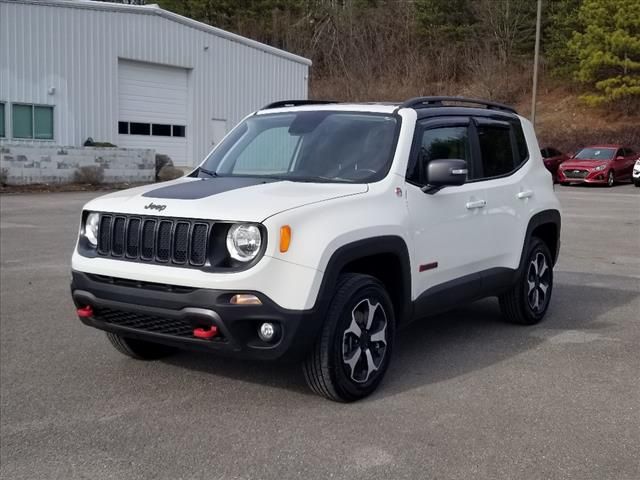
[(243, 242), (599, 168), (91, 228)]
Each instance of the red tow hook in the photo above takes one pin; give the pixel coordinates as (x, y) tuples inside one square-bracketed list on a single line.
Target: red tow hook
[(85, 312), (205, 333)]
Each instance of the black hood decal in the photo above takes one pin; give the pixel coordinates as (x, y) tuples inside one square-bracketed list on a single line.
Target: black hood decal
[(205, 187)]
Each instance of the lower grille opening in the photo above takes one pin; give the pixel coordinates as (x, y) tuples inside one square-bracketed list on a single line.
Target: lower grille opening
[(148, 323), (140, 284)]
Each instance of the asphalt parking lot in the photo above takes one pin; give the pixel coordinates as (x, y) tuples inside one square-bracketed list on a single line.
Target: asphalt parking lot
[(467, 396)]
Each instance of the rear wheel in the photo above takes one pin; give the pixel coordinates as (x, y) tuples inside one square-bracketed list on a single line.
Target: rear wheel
[(139, 349), (353, 351), (528, 299)]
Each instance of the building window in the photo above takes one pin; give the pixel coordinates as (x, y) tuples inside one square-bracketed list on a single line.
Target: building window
[(178, 130), (32, 121), (161, 130), (139, 128), (155, 129), (2, 133)]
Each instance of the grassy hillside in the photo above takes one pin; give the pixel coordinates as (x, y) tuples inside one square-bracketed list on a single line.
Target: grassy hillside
[(563, 121)]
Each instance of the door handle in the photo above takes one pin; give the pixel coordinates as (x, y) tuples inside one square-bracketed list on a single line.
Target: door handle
[(525, 194), (476, 204)]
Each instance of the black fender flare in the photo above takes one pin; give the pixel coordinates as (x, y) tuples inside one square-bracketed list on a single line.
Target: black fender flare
[(544, 217), (389, 244)]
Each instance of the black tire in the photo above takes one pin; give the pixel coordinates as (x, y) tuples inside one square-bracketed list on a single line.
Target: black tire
[(636, 183), (611, 179), (326, 369), (518, 305), (139, 349)]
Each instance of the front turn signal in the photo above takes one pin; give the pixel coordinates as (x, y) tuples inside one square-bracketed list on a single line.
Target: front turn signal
[(285, 238)]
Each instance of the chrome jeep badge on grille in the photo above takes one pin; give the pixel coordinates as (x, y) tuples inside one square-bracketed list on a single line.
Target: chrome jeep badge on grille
[(153, 206)]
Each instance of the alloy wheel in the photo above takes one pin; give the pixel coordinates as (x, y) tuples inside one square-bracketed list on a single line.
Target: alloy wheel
[(538, 283), (364, 342), (610, 179)]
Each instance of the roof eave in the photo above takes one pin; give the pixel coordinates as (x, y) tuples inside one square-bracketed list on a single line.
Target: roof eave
[(155, 10)]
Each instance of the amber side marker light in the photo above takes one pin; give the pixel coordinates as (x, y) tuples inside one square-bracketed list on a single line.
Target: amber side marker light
[(245, 299), (285, 238)]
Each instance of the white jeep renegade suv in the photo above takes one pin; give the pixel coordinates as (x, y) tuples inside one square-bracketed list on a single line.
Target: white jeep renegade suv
[(315, 230)]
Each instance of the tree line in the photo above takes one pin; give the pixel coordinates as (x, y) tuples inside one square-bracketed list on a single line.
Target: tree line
[(391, 49)]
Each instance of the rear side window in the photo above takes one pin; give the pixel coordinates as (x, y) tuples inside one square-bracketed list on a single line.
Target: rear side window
[(496, 150), (521, 144)]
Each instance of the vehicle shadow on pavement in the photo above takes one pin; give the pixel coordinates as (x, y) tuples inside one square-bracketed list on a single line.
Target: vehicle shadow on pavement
[(439, 348), (475, 337)]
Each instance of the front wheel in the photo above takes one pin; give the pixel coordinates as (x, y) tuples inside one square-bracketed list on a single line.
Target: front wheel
[(353, 351), (528, 299), (611, 180)]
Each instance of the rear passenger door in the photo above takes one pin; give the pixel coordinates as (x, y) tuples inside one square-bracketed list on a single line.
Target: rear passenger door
[(509, 183)]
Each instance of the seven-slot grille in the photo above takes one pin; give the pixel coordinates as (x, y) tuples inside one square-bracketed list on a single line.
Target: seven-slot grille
[(150, 239), (572, 173)]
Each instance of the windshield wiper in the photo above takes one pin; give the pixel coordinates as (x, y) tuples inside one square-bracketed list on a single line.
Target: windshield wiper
[(211, 173), (316, 178)]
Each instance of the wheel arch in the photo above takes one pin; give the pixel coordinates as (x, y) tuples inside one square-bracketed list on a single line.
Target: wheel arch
[(546, 226), (385, 258)]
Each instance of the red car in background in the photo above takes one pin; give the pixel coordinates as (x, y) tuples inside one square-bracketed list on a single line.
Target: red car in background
[(599, 164), (552, 159)]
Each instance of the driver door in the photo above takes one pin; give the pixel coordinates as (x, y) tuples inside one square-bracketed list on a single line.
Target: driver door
[(449, 229)]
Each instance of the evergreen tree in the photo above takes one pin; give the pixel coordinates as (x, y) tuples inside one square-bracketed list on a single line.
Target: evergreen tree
[(608, 50)]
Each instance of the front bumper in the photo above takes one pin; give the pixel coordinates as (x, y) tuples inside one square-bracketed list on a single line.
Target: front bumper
[(592, 177), (168, 314)]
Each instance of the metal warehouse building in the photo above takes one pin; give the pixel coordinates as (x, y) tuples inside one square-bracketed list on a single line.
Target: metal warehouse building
[(135, 76)]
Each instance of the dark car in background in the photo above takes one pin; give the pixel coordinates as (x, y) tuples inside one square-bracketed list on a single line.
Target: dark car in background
[(552, 158), (599, 164)]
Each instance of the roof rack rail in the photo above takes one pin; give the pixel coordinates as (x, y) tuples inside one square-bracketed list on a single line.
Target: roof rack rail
[(296, 103), (419, 102)]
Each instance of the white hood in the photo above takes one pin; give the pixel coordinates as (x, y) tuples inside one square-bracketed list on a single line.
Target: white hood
[(223, 198)]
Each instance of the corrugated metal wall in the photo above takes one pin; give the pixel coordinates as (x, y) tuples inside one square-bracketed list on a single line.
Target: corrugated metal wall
[(75, 50)]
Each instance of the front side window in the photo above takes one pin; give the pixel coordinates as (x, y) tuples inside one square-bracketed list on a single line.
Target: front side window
[(32, 121), (496, 150), (440, 144), (323, 146)]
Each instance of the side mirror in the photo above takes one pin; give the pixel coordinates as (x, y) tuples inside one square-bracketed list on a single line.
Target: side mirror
[(619, 157), (448, 172)]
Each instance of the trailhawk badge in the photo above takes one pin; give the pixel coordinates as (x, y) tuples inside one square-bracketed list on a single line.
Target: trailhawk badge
[(153, 206)]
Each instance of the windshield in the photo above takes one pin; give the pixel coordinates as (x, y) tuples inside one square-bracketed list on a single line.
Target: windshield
[(314, 146), (595, 154)]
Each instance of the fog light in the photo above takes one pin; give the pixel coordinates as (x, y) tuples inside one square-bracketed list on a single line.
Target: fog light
[(268, 332), (245, 299)]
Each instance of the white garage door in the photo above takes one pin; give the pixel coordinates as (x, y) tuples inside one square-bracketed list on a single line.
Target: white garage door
[(152, 108)]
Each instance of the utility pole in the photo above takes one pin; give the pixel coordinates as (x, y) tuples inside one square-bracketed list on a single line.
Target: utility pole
[(536, 58)]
